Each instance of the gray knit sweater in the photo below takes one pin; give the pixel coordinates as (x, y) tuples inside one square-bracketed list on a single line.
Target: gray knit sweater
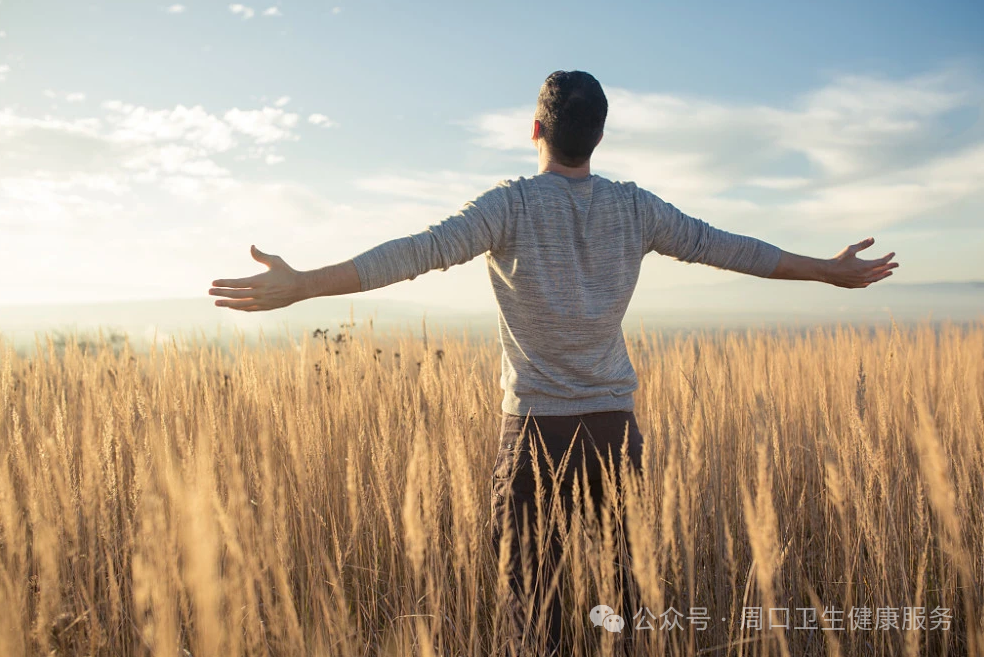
[(563, 257)]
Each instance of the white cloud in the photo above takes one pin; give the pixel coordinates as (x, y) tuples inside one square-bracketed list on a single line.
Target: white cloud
[(174, 159), (62, 171), (3, 34), (4, 70), (12, 125), (779, 182), (883, 199), (336, 10), (320, 120), (196, 126), (243, 10), (265, 126), (272, 11), (175, 9), (140, 125), (283, 100)]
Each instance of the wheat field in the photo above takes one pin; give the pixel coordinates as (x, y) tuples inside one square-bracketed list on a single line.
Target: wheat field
[(330, 496)]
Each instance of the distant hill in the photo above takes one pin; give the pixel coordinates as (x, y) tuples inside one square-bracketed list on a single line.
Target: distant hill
[(145, 320), (743, 302), (800, 300)]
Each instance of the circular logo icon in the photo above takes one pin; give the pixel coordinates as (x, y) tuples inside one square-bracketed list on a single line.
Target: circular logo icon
[(613, 623), (599, 613)]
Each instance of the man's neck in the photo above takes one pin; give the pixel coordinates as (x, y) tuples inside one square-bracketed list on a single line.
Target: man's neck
[(548, 165)]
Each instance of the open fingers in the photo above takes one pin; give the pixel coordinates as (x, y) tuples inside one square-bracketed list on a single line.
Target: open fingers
[(874, 278), (265, 258), (249, 281), (233, 293), (238, 304), (884, 260), (862, 245), (886, 267)]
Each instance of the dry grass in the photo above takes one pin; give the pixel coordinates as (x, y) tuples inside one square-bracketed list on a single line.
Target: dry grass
[(294, 500)]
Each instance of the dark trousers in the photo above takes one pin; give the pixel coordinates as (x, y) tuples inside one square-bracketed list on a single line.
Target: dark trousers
[(594, 441)]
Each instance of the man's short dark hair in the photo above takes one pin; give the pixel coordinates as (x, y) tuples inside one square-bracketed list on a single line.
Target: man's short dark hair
[(571, 110)]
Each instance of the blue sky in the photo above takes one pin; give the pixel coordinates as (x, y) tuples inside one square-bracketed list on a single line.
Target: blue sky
[(145, 145)]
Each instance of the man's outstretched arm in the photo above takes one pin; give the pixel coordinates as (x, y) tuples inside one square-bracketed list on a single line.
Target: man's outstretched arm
[(843, 270), (476, 228), (281, 285), (673, 233)]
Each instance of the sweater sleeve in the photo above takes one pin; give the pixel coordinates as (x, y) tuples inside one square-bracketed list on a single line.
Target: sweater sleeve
[(479, 226), (673, 233)]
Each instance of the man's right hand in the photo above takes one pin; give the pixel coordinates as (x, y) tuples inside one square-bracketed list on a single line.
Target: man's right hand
[(280, 286), (846, 269)]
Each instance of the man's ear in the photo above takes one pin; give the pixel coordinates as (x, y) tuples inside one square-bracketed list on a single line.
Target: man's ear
[(535, 133), (599, 138)]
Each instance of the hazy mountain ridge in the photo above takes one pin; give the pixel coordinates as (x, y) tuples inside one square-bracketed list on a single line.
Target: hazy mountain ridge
[(963, 299)]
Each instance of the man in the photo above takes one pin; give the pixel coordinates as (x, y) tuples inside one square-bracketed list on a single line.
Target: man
[(564, 249)]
